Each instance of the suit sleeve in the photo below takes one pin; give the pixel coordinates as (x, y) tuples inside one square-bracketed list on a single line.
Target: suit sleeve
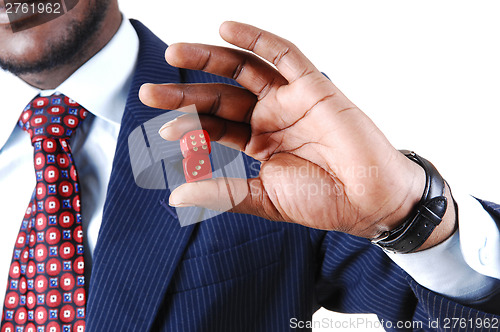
[(353, 276), (466, 266)]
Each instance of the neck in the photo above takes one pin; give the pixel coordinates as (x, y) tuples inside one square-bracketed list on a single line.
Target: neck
[(51, 79)]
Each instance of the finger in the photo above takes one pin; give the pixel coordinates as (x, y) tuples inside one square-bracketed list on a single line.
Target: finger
[(247, 69), (227, 194), (289, 60), (222, 100), (229, 133)]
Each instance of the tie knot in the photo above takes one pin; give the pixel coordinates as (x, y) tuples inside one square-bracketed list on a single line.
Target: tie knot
[(55, 116)]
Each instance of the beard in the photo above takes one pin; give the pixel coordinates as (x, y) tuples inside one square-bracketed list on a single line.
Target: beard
[(66, 49)]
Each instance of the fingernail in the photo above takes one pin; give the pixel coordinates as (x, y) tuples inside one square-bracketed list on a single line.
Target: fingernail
[(175, 201), (178, 204), (145, 85), (166, 125)]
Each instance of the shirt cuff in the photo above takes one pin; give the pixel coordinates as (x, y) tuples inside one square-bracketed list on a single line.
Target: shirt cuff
[(463, 267)]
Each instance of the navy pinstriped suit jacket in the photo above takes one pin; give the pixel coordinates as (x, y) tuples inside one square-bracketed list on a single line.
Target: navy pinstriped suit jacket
[(233, 272)]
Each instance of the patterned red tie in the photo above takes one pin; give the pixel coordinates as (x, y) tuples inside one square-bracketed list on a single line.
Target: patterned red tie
[(45, 292)]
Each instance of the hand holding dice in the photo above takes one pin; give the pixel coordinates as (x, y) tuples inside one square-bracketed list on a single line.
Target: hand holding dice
[(195, 147), (324, 163)]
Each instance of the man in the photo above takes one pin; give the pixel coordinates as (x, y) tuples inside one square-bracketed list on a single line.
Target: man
[(235, 271)]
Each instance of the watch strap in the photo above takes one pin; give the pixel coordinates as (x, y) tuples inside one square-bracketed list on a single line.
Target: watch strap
[(425, 217)]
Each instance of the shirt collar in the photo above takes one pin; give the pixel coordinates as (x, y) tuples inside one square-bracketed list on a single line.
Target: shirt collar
[(101, 85), (15, 94)]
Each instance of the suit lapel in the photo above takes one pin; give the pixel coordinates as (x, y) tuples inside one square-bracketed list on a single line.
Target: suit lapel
[(140, 243)]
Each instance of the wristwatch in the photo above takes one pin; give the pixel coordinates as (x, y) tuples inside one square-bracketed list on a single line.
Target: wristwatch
[(424, 218)]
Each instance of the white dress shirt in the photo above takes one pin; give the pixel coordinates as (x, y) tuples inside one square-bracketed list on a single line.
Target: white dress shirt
[(101, 86), (458, 267)]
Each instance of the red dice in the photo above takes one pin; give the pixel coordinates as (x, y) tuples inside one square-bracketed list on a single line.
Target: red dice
[(195, 147), (195, 142), (197, 168)]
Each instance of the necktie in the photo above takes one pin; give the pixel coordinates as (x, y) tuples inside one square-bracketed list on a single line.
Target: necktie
[(45, 291)]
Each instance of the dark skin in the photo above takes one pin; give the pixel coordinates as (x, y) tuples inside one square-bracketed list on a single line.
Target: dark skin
[(325, 131), (305, 132)]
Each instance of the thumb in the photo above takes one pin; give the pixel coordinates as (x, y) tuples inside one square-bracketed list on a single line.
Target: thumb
[(227, 194)]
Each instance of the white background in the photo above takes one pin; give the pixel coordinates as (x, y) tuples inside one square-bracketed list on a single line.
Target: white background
[(427, 72)]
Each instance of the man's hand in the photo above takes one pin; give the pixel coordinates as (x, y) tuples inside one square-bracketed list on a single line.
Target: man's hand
[(324, 163)]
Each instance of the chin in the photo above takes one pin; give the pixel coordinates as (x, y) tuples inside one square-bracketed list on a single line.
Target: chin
[(22, 46)]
